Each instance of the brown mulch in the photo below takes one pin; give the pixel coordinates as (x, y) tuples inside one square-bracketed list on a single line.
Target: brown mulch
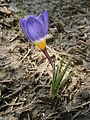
[(25, 74)]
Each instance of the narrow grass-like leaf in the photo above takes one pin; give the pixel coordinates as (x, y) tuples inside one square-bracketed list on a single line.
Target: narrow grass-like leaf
[(54, 80), (63, 83), (60, 75), (21, 2), (58, 82), (57, 71), (18, 9), (64, 71), (59, 68), (20, 31), (22, 10)]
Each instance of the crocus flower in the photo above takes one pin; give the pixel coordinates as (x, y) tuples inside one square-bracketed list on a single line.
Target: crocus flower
[(36, 29)]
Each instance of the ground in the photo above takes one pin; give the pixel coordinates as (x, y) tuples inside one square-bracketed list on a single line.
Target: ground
[(25, 73)]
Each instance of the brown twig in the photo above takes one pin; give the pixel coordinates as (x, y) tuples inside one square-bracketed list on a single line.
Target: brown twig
[(67, 110), (26, 55), (41, 86), (14, 38), (56, 53), (50, 115), (12, 104), (6, 81), (14, 93), (79, 106), (25, 107), (73, 108)]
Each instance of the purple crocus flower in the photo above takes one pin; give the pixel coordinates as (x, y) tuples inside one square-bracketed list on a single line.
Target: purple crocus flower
[(36, 29)]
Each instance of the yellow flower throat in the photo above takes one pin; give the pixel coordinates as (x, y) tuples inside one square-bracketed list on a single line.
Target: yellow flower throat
[(41, 44)]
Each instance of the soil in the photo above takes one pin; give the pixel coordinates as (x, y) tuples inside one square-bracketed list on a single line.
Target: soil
[(25, 73)]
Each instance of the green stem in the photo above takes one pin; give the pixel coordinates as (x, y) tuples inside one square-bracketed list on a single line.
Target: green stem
[(22, 10), (20, 31)]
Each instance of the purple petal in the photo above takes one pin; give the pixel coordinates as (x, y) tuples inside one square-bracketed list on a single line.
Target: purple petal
[(33, 16), (46, 21), (41, 19), (22, 23), (34, 29)]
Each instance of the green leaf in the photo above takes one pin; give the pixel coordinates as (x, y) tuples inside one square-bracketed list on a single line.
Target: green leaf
[(66, 67), (63, 73), (22, 10), (54, 80), (58, 82), (59, 68), (63, 83)]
